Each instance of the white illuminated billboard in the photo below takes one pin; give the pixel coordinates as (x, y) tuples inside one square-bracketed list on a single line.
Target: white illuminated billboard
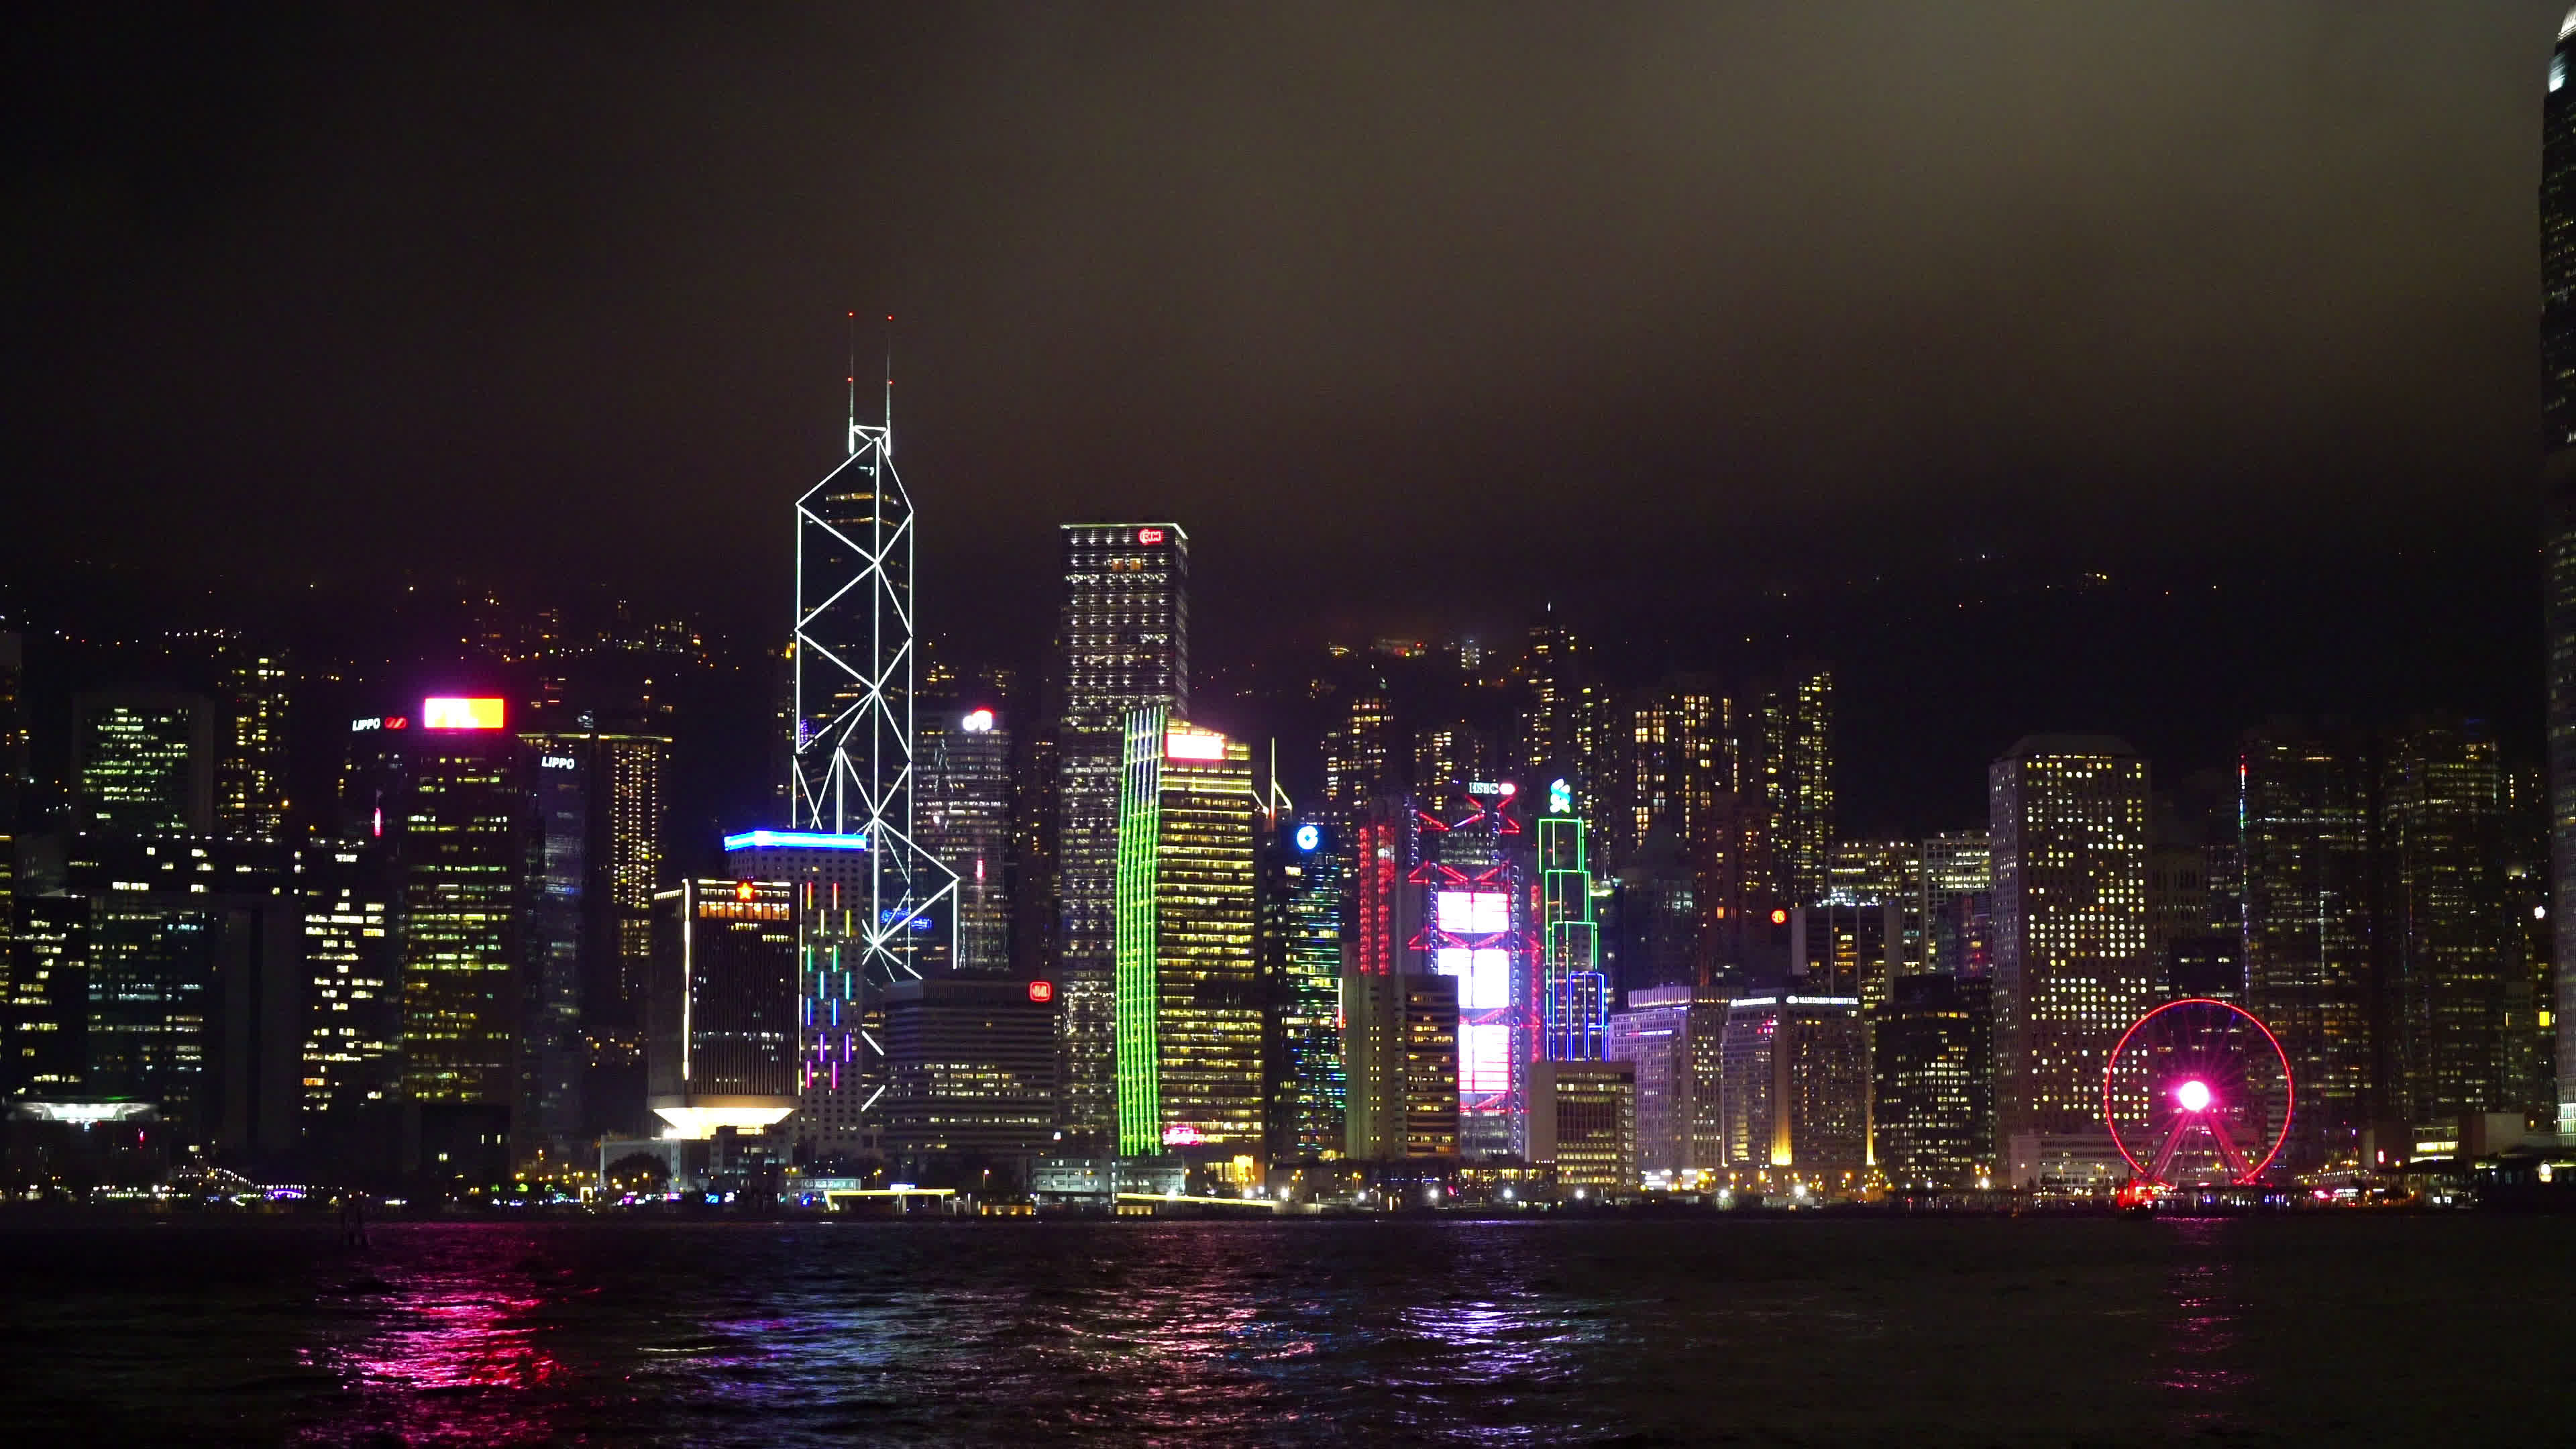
[(1474, 913), (1484, 976), (1189, 744), (1484, 1059)]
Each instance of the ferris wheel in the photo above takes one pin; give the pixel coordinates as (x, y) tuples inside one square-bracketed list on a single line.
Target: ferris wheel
[(2198, 1093)]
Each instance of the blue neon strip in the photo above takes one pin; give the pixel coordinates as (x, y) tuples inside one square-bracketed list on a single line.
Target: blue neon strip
[(793, 839)]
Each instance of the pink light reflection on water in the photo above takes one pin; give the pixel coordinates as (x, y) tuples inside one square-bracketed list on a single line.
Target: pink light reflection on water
[(453, 1351), (2198, 1363)]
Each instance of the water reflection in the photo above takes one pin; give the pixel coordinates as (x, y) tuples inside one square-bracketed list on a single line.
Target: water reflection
[(2199, 1360), (447, 1339)]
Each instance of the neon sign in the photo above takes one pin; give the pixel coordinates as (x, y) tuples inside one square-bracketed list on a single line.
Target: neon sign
[(977, 722), (794, 840), (1041, 991), (1560, 798), (450, 713), (1148, 537), (1308, 837)]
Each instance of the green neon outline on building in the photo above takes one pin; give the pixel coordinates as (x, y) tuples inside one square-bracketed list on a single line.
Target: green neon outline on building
[(1137, 980), (1569, 934)]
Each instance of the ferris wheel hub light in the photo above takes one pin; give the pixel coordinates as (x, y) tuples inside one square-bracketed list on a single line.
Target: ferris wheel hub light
[(2193, 1095)]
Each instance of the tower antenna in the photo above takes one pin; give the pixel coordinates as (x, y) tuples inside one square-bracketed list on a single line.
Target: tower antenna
[(853, 380), (888, 444)]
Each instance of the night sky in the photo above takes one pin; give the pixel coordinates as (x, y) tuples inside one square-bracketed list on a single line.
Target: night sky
[(1739, 332)]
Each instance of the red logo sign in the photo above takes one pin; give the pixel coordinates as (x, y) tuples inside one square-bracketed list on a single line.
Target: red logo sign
[(1779, 917), (1041, 991), (1149, 536)]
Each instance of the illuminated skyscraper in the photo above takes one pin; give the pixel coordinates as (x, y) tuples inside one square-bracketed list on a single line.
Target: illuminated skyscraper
[(353, 980), (250, 769), (189, 959), (1673, 752), (1475, 923), (2069, 840), (1796, 781), (1796, 1091), (2306, 806), (2464, 1006), (1400, 1039), (970, 1095), (144, 763), (841, 1064), (965, 813), (1186, 937), (1358, 761), (1865, 872), (1452, 753), (1188, 998), (1583, 1123), (1559, 728), (854, 665), (1574, 997), (1124, 645), (1958, 904), (2558, 555), (1676, 1037), (13, 782), (1301, 905), (447, 793), (1932, 1068), (720, 1044)]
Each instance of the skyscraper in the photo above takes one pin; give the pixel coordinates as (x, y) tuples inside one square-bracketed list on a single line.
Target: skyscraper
[(1475, 925), (965, 815), (1558, 728), (2463, 997), (353, 981), (841, 1066), (1932, 1091), (2068, 829), (2558, 555), (1400, 1021), (1958, 904), (1796, 1091), (1675, 1042), (1447, 755), (1301, 904), (854, 658), (970, 1079), (1358, 764), (2306, 806), (720, 1045), (1583, 1123), (143, 763), (1796, 780), (1674, 750), (1188, 985), (250, 769), (1574, 997), (1123, 645)]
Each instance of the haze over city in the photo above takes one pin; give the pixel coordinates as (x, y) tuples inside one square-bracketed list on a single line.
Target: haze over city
[(1186, 686)]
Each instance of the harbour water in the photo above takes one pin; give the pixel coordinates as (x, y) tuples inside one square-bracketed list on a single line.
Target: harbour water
[(1809, 1330)]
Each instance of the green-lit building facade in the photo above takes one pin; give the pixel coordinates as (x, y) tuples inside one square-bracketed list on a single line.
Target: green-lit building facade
[(1188, 983)]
